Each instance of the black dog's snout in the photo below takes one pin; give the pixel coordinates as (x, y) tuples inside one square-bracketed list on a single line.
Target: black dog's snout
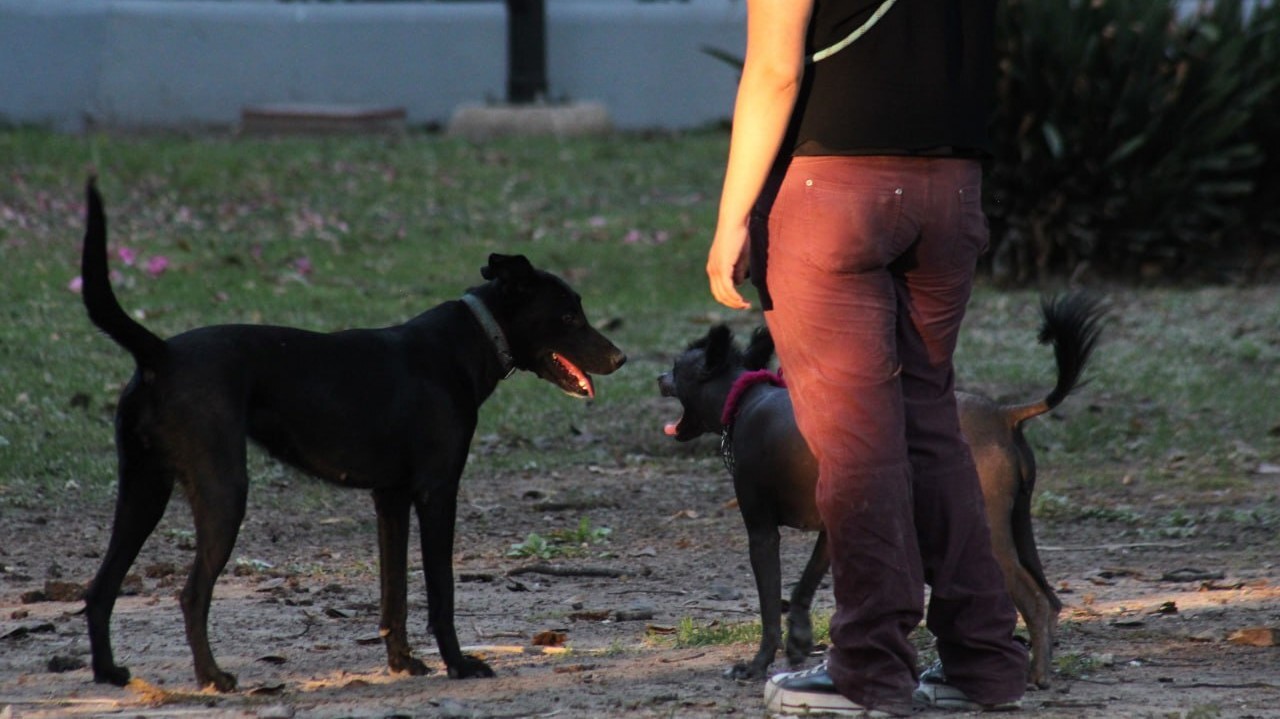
[(666, 385)]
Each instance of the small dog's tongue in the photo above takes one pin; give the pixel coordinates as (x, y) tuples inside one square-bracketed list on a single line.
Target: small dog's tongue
[(670, 428)]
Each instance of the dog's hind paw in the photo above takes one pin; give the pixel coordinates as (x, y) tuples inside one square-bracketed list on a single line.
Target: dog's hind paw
[(743, 671), (117, 675), (221, 681), (469, 667), (410, 665)]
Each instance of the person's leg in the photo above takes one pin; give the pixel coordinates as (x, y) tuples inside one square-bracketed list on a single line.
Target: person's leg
[(833, 228), (970, 611)]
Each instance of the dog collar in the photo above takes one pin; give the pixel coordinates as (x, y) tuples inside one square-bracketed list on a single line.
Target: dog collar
[(744, 382), (491, 328)]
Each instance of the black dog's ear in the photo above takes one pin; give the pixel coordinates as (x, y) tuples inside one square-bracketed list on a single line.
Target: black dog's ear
[(507, 268), (718, 349), (760, 350)]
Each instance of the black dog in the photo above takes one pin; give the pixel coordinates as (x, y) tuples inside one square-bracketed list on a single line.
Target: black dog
[(774, 473), (388, 410)]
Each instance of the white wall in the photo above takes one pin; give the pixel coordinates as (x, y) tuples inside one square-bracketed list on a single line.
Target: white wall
[(176, 64)]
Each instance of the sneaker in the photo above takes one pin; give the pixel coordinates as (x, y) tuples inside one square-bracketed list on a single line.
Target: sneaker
[(934, 691), (811, 692)]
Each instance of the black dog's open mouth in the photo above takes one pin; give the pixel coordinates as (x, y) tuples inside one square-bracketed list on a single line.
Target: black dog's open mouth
[(672, 429), (564, 374)]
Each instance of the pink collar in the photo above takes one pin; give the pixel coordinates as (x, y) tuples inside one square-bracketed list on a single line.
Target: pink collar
[(746, 381)]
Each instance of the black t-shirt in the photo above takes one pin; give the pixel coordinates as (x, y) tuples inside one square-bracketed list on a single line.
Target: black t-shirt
[(919, 81)]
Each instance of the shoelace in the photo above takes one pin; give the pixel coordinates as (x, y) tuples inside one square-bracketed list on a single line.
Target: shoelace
[(820, 669)]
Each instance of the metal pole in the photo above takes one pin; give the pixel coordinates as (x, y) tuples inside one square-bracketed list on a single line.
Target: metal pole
[(526, 51)]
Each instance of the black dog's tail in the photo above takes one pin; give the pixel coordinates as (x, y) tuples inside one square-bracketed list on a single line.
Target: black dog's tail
[(1072, 324), (104, 309)]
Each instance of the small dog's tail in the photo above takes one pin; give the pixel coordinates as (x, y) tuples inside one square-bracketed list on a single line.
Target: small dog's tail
[(1072, 324), (99, 299)]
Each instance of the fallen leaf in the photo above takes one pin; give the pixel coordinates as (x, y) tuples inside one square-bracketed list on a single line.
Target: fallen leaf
[(1256, 637), (60, 591), (589, 616), (266, 689), (549, 638), (1190, 574)]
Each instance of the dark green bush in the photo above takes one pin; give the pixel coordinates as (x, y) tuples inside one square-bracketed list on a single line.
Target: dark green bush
[(1134, 139)]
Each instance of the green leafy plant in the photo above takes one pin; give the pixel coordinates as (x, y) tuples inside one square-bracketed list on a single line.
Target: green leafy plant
[(534, 545), (560, 542), (582, 535), (1127, 135), (1075, 665), (690, 633)]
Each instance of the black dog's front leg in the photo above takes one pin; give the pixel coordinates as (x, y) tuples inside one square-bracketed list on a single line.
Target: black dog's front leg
[(765, 565), (799, 622), (436, 516), (393, 551)]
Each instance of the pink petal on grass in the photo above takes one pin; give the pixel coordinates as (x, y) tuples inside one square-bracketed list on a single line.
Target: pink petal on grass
[(303, 266), (76, 284), (127, 255), (157, 265)]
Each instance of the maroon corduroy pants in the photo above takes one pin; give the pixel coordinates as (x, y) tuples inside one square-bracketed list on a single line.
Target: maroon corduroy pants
[(868, 263)]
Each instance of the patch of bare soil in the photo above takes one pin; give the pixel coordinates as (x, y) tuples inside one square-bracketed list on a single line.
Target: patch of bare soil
[(1181, 627)]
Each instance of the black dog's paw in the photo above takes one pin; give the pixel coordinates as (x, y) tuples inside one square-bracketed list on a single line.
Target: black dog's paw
[(798, 650), (411, 665), (468, 667), (744, 671), (119, 676), (799, 638), (221, 681)]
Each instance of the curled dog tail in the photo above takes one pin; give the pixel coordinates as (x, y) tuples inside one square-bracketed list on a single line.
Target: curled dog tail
[(1072, 324), (99, 299)]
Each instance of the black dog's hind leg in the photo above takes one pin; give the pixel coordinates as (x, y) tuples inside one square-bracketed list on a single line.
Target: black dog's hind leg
[(143, 494), (436, 515), (799, 623), (218, 492), (764, 543), (393, 557)]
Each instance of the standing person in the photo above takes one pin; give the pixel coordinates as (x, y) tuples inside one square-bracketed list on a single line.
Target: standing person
[(853, 194)]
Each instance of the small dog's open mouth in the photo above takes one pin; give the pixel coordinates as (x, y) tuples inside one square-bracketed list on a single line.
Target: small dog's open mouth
[(666, 388), (672, 429), (566, 375)]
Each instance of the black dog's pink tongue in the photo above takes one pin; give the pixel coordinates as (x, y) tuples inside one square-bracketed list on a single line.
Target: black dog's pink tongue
[(582, 379), (670, 428)]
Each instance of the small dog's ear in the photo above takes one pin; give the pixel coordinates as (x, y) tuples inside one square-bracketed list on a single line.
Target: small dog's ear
[(760, 350), (719, 348), (506, 267)]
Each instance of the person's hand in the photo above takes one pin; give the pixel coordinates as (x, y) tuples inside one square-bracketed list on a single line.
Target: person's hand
[(727, 265)]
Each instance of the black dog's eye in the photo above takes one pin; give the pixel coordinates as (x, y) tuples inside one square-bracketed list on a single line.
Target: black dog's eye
[(568, 319)]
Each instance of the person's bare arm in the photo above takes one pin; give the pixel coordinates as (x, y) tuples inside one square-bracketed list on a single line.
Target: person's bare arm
[(771, 75)]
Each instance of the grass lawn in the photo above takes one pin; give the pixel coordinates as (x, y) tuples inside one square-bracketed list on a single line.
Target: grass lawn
[(333, 233)]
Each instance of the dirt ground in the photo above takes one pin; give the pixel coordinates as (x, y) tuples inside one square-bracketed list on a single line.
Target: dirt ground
[(1151, 628)]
